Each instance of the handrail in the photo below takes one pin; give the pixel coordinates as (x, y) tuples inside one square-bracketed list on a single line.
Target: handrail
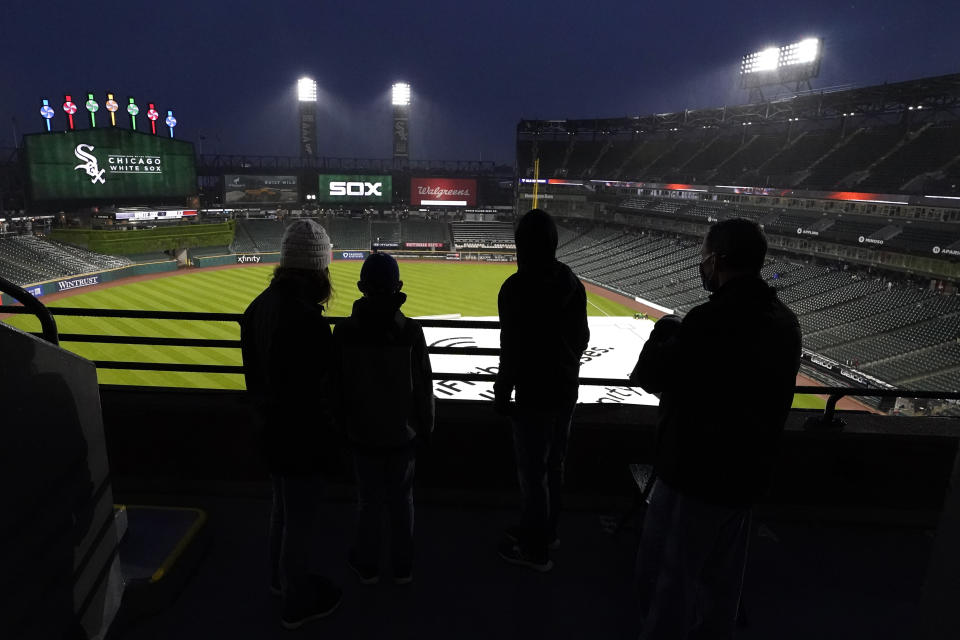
[(33, 306), (827, 421)]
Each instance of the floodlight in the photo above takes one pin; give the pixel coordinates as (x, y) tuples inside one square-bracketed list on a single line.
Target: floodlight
[(307, 90), (803, 52), (767, 59), (401, 94)]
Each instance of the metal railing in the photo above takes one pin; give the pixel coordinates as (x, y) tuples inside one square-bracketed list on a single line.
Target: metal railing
[(828, 420)]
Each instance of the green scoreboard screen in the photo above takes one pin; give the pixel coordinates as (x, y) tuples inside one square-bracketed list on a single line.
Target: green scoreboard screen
[(97, 164), (355, 189)]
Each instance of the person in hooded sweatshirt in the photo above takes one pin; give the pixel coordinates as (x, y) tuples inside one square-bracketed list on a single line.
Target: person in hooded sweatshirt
[(715, 455), (543, 333), (286, 346), (384, 399)]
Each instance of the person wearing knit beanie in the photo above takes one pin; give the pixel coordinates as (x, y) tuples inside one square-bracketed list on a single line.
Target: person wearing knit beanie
[(305, 245), (286, 346)]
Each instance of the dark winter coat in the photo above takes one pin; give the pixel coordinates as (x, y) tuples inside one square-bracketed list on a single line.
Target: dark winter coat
[(286, 346), (543, 333), (383, 385), (726, 374)]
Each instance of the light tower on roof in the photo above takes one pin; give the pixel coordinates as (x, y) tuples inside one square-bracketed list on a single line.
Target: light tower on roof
[(401, 124), (307, 99)]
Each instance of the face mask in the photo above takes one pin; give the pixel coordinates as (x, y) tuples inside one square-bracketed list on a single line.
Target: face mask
[(708, 280)]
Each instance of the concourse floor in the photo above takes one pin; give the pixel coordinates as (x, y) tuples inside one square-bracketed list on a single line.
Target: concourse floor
[(803, 581)]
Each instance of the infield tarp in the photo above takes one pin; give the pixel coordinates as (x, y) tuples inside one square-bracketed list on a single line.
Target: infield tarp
[(615, 343)]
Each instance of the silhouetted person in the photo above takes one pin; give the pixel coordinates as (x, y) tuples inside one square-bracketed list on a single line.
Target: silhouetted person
[(286, 354), (726, 374), (543, 333), (384, 399)]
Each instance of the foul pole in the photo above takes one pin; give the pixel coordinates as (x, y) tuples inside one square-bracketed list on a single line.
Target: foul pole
[(536, 181)]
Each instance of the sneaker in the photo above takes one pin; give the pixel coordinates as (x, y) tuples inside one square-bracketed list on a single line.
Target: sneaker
[(403, 576), (511, 552), (513, 535), (367, 575), (326, 602)]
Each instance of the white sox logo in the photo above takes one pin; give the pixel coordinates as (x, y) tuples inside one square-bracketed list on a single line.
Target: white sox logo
[(90, 164)]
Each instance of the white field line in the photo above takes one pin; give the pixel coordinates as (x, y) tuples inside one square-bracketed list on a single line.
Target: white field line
[(590, 302)]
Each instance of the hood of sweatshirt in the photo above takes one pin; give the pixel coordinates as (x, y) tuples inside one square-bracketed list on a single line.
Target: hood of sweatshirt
[(553, 284), (379, 310)]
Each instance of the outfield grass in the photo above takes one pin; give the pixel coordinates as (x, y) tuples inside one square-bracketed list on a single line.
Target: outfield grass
[(432, 289)]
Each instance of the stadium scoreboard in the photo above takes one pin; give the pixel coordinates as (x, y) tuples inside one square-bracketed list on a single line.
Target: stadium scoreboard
[(355, 189), (108, 164)]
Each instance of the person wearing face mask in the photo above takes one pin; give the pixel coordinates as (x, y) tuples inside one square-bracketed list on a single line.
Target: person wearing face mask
[(725, 374)]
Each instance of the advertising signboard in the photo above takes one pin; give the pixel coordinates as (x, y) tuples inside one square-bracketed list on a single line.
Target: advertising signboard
[(100, 164), (241, 189), (350, 255), (443, 191), (355, 189), (424, 245), (146, 214), (76, 283)]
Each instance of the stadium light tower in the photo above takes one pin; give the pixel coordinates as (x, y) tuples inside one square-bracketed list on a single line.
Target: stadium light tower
[(401, 123), (307, 99), (791, 67)]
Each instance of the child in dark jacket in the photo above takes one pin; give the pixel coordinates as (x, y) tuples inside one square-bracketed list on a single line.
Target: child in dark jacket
[(384, 404)]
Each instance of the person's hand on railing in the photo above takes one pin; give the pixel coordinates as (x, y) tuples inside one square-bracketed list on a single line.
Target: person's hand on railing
[(502, 404)]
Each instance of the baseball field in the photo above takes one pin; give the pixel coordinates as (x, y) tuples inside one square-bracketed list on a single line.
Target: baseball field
[(432, 289)]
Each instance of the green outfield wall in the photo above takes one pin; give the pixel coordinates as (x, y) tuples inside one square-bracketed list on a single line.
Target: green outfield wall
[(236, 258), (80, 281), (132, 241)]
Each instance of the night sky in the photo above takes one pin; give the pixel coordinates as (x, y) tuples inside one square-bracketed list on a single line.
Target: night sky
[(229, 69)]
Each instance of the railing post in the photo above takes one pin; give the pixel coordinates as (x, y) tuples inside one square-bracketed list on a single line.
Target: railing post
[(47, 323), (829, 421)]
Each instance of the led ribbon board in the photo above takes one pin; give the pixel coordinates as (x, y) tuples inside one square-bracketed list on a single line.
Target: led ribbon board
[(108, 164)]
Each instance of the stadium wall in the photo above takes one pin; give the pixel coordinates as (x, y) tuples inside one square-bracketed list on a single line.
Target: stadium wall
[(61, 285), (236, 258), (129, 242)]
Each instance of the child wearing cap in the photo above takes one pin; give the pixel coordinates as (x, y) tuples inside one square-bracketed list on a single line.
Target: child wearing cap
[(384, 404)]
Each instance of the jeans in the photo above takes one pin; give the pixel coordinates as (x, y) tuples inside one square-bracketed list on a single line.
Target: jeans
[(385, 478), (296, 502), (540, 447), (690, 566)]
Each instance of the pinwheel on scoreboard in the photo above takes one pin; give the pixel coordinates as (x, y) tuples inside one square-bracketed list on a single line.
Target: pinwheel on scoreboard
[(153, 114), (69, 108), (47, 113), (112, 107)]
